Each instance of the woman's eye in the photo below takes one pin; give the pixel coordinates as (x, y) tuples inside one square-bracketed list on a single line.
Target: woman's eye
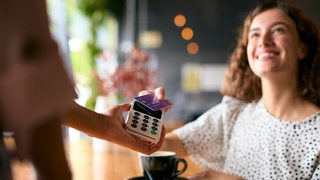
[(279, 30), (253, 35)]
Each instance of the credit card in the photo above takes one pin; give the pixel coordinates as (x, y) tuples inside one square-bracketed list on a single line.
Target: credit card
[(153, 102)]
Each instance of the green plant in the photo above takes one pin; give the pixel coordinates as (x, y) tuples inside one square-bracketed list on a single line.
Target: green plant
[(96, 12)]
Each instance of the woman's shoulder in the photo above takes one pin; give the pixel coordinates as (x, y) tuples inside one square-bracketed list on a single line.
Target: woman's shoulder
[(232, 102), (227, 110), (232, 107)]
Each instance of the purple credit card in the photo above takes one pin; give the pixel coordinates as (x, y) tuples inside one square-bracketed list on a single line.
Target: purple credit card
[(152, 102)]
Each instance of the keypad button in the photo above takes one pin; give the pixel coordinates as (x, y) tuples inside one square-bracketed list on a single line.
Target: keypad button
[(155, 124), (134, 125), (155, 120), (136, 113), (154, 128), (146, 117), (143, 129), (144, 125), (135, 121), (135, 117), (145, 121)]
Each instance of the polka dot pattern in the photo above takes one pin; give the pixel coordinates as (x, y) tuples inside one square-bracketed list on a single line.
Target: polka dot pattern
[(245, 140)]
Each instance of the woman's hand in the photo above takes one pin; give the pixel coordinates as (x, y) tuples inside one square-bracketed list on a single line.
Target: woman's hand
[(115, 131), (109, 126), (211, 174)]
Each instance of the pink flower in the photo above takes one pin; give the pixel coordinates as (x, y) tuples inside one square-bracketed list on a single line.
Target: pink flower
[(130, 78)]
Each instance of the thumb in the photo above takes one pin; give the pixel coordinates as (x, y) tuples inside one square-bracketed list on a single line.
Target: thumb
[(118, 109), (124, 107)]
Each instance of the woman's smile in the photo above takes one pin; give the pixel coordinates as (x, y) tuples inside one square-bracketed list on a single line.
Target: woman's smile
[(265, 55)]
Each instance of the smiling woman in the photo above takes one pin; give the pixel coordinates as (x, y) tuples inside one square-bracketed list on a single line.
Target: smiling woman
[(267, 125)]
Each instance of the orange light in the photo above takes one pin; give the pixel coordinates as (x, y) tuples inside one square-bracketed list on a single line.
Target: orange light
[(193, 48), (187, 33), (179, 20)]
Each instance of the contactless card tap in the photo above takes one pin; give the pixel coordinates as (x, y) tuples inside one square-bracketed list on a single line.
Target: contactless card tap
[(144, 119)]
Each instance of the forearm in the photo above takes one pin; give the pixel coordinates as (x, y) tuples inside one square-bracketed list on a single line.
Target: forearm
[(173, 143), (84, 120)]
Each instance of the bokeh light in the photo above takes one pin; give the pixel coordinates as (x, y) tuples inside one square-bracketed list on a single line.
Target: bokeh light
[(193, 48), (179, 20), (187, 33)]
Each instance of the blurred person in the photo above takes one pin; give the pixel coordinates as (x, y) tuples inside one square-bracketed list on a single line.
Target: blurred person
[(37, 96), (268, 123)]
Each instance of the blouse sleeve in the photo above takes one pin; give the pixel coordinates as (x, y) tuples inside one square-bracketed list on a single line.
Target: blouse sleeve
[(206, 139)]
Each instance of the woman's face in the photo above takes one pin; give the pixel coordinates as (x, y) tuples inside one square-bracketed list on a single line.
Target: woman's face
[(274, 47)]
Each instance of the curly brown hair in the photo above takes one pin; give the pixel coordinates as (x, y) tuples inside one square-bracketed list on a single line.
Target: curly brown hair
[(240, 82)]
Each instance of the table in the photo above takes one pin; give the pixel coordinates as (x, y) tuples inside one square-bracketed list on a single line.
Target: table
[(108, 161), (93, 159)]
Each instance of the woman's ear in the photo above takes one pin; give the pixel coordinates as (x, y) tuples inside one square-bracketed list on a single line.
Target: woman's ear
[(302, 53)]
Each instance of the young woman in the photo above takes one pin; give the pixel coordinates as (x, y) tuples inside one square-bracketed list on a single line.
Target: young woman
[(268, 123)]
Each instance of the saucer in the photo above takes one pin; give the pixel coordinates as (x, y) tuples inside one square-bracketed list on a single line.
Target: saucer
[(142, 178)]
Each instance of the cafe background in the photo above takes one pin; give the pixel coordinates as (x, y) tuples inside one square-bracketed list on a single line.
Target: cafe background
[(188, 43), (113, 48)]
